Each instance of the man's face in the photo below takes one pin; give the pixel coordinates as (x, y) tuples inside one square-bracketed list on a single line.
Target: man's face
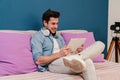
[(52, 24)]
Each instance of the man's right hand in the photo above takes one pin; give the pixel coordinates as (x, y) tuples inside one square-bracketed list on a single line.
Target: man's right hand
[(64, 51)]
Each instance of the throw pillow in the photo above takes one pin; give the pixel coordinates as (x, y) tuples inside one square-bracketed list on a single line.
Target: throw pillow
[(89, 40), (15, 54)]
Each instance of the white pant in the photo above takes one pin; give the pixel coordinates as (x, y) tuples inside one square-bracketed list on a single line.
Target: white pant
[(89, 74), (92, 51)]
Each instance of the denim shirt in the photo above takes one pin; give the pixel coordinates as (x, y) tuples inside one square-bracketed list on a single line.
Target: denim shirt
[(42, 45)]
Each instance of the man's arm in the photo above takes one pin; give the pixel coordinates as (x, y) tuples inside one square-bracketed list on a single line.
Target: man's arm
[(48, 59)]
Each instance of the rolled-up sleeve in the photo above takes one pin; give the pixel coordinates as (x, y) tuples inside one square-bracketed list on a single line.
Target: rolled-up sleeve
[(36, 45)]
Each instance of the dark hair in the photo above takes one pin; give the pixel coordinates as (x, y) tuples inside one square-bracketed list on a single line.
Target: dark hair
[(50, 13)]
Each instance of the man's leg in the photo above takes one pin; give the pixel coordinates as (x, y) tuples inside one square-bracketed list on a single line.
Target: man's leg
[(93, 50), (89, 73), (78, 59), (75, 63), (58, 66)]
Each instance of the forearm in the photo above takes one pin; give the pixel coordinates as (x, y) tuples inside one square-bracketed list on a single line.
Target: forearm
[(47, 59)]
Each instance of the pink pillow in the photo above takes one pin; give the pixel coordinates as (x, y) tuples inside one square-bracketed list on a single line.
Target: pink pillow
[(89, 40), (15, 54)]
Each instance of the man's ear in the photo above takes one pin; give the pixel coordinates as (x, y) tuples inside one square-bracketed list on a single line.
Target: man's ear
[(45, 23)]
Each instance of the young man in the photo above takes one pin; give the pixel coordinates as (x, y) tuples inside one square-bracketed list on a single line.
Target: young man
[(48, 46)]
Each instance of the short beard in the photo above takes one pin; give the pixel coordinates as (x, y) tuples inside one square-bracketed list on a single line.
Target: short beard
[(53, 34)]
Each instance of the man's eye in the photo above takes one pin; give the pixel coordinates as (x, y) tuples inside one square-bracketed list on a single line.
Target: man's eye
[(53, 23)]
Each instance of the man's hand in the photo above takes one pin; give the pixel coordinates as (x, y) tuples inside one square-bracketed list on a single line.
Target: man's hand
[(79, 49), (65, 51)]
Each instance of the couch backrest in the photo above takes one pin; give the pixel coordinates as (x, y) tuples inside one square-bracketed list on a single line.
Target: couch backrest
[(33, 31), (73, 31), (19, 31)]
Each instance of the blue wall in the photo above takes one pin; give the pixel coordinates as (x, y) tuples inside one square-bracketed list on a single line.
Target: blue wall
[(91, 15)]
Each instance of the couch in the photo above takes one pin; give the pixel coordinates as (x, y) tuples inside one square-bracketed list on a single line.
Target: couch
[(16, 62)]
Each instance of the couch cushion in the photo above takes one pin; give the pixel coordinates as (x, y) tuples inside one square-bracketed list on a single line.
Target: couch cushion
[(15, 54), (89, 40)]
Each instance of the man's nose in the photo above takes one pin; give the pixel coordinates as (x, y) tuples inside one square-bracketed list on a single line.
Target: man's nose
[(56, 25)]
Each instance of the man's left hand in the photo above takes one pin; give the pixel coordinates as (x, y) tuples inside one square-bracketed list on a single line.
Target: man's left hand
[(79, 49)]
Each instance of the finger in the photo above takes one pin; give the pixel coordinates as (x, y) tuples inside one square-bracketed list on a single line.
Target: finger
[(82, 45), (37, 62)]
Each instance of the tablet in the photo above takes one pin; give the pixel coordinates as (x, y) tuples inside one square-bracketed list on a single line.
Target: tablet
[(74, 43)]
